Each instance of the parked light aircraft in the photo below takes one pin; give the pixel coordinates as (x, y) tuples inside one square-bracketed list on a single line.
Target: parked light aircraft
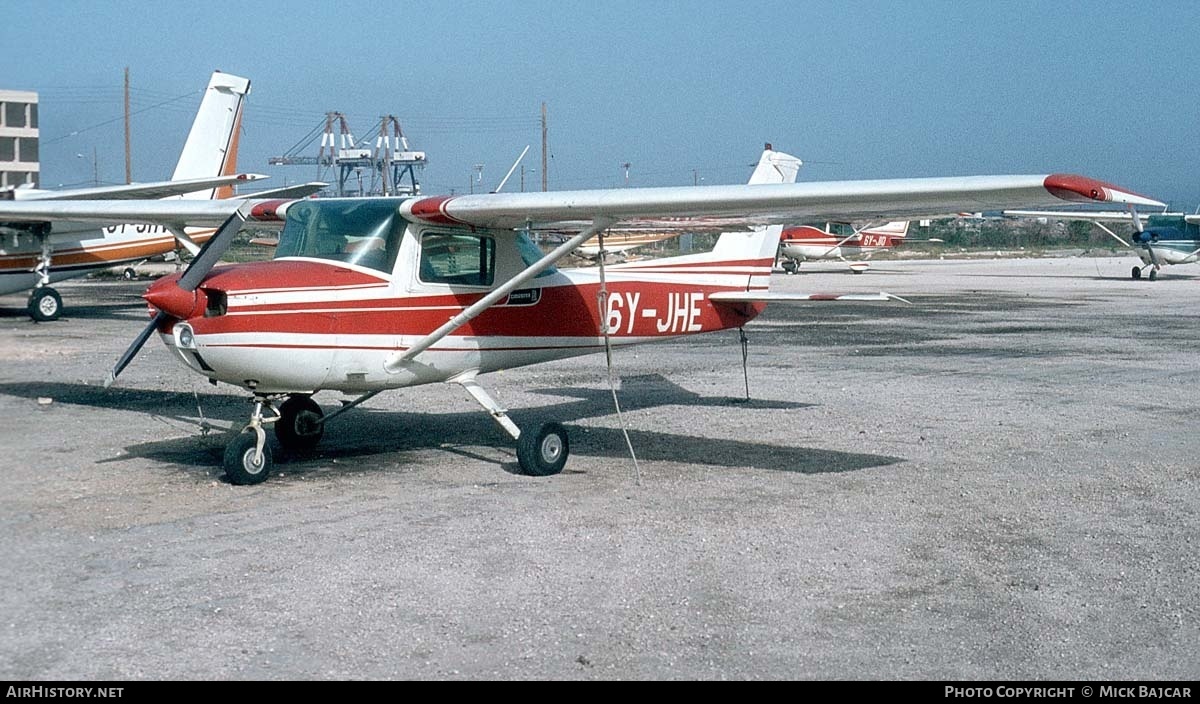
[(838, 240), (33, 257), (1164, 238), (366, 295)]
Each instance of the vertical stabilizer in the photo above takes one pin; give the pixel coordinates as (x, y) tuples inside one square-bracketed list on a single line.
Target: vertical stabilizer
[(760, 244), (211, 147), (775, 167)]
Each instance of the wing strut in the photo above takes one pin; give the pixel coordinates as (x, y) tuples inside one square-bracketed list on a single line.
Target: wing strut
[(397, 360)]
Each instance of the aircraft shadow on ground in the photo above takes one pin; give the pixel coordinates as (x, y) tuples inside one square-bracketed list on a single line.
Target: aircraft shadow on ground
[(370, 439)]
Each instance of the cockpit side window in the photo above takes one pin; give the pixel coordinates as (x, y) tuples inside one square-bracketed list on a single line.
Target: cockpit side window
[(461, 259), (362, 232)]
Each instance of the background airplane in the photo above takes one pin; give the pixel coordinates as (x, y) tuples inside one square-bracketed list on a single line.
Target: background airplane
[(33, 256), (1157, 239), (838, 240)]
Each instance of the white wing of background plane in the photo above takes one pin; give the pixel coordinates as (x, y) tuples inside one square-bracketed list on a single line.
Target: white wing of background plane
[(746, 204), (155, 189)]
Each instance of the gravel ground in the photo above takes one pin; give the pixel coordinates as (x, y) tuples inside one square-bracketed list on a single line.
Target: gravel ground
[(997, 481)]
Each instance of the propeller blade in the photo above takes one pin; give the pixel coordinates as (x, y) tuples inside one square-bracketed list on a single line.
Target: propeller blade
[(134, 348), (202, 263), (212, 251)]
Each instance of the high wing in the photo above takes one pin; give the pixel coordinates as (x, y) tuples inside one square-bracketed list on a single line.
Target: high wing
[(133, 191), (745, 204), (769, 204)]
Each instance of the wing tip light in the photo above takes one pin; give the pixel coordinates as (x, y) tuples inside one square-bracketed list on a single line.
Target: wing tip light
[(1083, 189)]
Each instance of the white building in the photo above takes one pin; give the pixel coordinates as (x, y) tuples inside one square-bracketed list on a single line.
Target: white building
[(19, 163)]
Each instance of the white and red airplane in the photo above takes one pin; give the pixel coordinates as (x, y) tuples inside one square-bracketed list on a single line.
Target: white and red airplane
[(32, 257), (366, 295), (838, 240)]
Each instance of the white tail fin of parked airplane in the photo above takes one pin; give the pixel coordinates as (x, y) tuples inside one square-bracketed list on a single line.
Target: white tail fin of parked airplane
[(212, 145), (40, 253)]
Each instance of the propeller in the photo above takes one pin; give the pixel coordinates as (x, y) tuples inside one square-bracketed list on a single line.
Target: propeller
[(193, 276)]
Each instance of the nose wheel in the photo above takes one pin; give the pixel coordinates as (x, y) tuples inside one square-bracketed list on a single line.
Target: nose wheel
[(248, 458)]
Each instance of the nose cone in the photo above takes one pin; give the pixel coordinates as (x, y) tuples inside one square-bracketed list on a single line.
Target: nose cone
[(166, 295)]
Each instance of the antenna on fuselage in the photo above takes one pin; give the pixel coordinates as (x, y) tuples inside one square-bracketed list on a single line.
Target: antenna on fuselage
[(511, 169)]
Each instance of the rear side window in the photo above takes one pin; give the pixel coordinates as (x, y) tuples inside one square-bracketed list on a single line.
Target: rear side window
[(457, 259)]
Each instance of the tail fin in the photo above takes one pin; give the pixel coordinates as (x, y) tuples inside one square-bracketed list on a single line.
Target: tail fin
[(775, 167), (212, 145), (762, 243)]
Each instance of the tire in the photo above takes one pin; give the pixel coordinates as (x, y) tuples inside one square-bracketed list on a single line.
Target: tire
[(129, 274), (44, 304), (1136, 273), (299, 428), (790, 266), (1153, 275), (239, 461), (544, 452)]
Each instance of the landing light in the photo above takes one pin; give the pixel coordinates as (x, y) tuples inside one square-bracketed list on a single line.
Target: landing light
[(184, 337)]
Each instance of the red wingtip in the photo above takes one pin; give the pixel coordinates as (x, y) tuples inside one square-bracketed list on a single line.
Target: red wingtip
[(433, 210), (1083, 189)]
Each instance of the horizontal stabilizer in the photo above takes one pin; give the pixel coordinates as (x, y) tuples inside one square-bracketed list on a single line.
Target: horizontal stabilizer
[(790, 297), (300, 190)]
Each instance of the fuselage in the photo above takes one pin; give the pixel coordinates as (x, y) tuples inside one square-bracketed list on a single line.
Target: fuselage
[(78, 249), (331, 310), (835, 241), (1174, 240)]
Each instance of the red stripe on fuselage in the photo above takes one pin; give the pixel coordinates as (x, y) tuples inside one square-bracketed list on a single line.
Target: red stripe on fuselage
[(639, 309)]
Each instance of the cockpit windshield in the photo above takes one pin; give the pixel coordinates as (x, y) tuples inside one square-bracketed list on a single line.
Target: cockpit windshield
[(366, 232)]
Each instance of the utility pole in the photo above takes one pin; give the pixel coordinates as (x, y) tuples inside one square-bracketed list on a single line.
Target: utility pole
[(545, 173), (128, 163)]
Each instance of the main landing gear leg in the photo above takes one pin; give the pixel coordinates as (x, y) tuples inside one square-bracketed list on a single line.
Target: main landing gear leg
[(248, 457), (44, 302), (541, 451)]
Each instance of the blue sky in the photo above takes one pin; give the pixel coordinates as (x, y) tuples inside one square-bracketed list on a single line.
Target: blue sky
[(680, 90)]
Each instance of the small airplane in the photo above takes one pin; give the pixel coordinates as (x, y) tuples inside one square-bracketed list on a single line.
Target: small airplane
[(838, 240), (367, 295), (32, 257), (1165, 238)]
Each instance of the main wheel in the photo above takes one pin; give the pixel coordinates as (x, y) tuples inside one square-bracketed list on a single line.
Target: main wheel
[(240, 466), (299, 427), (129, 274), (44, 304), (1136, 273), (544, 452), (790, 266)]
